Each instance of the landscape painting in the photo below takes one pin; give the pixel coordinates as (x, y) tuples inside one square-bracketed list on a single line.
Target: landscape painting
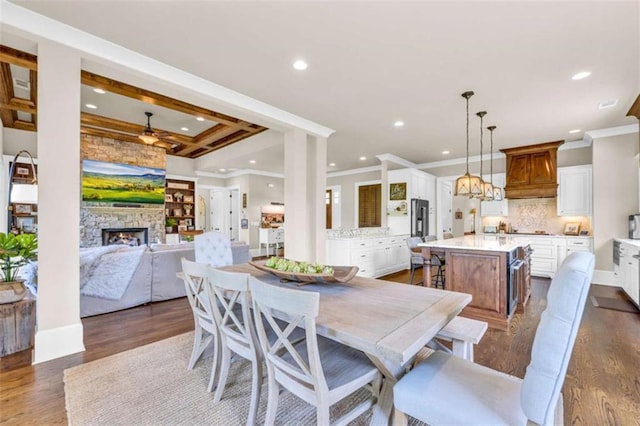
[(121, 183)]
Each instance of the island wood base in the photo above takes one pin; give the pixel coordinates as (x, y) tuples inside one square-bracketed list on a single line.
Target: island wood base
[(484, 275)]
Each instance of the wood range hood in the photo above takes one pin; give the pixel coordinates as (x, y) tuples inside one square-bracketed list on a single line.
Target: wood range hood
[(532, 171)]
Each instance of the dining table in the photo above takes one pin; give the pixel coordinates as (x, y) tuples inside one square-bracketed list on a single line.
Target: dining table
[(390, 322)]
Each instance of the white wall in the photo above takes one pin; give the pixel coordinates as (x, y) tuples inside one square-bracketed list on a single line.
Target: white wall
[(615, 193), (347, 182)]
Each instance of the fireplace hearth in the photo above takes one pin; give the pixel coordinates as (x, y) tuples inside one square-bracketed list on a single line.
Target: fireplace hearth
[(125, 236)]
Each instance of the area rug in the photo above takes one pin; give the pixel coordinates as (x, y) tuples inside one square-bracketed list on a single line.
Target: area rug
[(151, 385), (614, 304)]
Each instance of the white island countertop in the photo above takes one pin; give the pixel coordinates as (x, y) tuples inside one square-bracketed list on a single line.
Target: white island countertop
[(485, 242)]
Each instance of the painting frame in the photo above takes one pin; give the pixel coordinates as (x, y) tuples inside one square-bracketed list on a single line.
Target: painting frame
[(110, 182), (188, 199), (398, 191), (571, 228), (22, 209), (22, 171)]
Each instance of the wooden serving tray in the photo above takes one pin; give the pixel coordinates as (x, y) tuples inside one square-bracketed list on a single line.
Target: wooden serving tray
[(340, 274)]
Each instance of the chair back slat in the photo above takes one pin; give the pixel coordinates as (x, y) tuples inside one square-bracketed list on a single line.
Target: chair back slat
[(301, 308), (555, 337), (228, 290), (195, 282)]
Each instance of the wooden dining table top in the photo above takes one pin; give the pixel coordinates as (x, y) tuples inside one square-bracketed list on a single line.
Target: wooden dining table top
[(387, 320)]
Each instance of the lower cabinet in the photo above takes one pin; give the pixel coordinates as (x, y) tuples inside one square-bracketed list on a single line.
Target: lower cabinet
[(374, 257), (549, 252), (626, 272)]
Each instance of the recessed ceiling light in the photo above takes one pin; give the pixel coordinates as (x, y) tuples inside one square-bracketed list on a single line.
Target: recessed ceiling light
[(270, 185), (332, 164), (581, 75), (574, 131), (445, 152), (300, 65), (399, 123), (223, 170), (608, 104), (91, 106), (100, 91), (363, 158), (200, 118), (252, 161), (184, 129)]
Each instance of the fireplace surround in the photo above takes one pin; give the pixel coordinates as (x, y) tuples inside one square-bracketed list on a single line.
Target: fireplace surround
[(125, 236)]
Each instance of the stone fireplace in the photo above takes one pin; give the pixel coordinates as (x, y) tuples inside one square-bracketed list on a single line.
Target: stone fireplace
[(95, 219), (125, 236)]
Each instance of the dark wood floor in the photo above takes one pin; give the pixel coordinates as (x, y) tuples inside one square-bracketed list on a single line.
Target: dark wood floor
[(602, 386)]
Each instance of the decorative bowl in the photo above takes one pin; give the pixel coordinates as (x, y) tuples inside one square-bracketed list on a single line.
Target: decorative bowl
[(340, 274)]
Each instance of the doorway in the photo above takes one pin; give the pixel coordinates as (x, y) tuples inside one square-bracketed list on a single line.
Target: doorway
[(445, 210), (369, 206), (224, 212)]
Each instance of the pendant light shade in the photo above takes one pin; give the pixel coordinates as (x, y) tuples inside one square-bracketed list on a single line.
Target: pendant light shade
[(468, 184), (487, 187), (498, 193)]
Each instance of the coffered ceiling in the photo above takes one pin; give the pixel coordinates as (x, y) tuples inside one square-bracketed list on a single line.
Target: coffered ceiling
[(374, 63), (122, 109)]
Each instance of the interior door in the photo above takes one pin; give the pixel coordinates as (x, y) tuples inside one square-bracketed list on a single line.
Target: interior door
[(329, 208), (219, 210), (369, 205)]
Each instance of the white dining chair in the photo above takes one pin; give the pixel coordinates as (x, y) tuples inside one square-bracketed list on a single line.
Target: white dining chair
[(206, 330), (445, 389), (230, 291), (320, 371), (213, 248)]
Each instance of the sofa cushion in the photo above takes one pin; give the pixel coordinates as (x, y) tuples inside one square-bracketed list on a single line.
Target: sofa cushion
[(165, 247), (213, 248)]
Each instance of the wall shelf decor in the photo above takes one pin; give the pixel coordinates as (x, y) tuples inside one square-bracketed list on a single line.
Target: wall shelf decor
[(179, 196)]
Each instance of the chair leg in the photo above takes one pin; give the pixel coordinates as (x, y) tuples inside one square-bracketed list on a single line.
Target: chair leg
[(323, 414), (272, 401), (256, 384), (399, 418), (215, 362), (224, 372), (413, 270)]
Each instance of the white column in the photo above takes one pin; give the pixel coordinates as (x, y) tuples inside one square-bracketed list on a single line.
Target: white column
[(297, 210), (59, 330), (384, 193), (305, 184), (317, 196)]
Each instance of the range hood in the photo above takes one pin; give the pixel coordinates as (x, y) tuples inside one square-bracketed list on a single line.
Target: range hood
[(532, 171)]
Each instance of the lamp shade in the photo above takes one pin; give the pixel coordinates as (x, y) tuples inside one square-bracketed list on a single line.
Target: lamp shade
[(23, 193), (487, 191), (498, 194), (468, 185)]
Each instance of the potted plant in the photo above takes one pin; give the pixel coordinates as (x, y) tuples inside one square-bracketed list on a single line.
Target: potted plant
[(187, 209), (15, 252), (169, 224)]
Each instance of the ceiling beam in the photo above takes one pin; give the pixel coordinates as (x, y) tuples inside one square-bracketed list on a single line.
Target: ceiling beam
[(153, 98), (207, 137), (16, 57), (92, 120), (33, 78), (7, 115), (19, 104), (231, 139)]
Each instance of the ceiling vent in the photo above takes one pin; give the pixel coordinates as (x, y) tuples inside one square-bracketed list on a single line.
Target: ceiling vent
[(21, 84)]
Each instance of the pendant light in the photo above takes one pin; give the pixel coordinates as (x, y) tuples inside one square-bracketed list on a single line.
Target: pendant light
[(498, 193), (468, 184), (487, 187)]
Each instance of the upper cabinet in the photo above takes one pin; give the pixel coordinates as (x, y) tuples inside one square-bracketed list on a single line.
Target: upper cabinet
[(495, 208), (531, 171), (575, 191)]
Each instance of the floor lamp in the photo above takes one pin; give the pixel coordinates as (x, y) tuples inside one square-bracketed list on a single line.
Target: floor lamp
[(26, 193)]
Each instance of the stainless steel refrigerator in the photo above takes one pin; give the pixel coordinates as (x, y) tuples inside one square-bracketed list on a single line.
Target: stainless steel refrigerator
[(419, 218)]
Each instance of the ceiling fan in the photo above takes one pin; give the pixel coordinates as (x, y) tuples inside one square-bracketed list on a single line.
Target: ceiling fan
[(148, 135)]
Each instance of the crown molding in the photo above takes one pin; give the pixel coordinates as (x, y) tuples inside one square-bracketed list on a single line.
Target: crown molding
[(239, 173), (397, 160), (355, 171), (612, 131)]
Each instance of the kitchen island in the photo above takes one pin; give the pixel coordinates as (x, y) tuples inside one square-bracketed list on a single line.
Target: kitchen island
[(494, 269)]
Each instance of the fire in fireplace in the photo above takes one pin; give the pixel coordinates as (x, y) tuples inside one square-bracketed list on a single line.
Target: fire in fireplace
[(125, 236)]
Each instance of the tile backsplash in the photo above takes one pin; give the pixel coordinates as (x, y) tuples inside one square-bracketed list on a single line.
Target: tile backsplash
[(537, 214)]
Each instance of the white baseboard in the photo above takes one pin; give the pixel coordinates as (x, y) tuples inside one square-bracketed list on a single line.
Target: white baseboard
[(603, 277), (58, 342)]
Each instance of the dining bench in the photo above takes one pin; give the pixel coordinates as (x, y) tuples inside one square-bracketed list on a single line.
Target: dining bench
[(463, 333)]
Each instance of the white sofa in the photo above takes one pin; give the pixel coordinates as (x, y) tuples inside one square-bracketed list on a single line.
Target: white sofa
[(154, 279)]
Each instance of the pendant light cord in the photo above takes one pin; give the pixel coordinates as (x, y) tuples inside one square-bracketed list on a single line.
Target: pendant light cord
[(467, 135)]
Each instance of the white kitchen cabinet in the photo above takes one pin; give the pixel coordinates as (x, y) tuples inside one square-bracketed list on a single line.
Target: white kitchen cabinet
[(550, 251), (495, 208), (271, 237), (574, 191), (627, 273), (374, 257)]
